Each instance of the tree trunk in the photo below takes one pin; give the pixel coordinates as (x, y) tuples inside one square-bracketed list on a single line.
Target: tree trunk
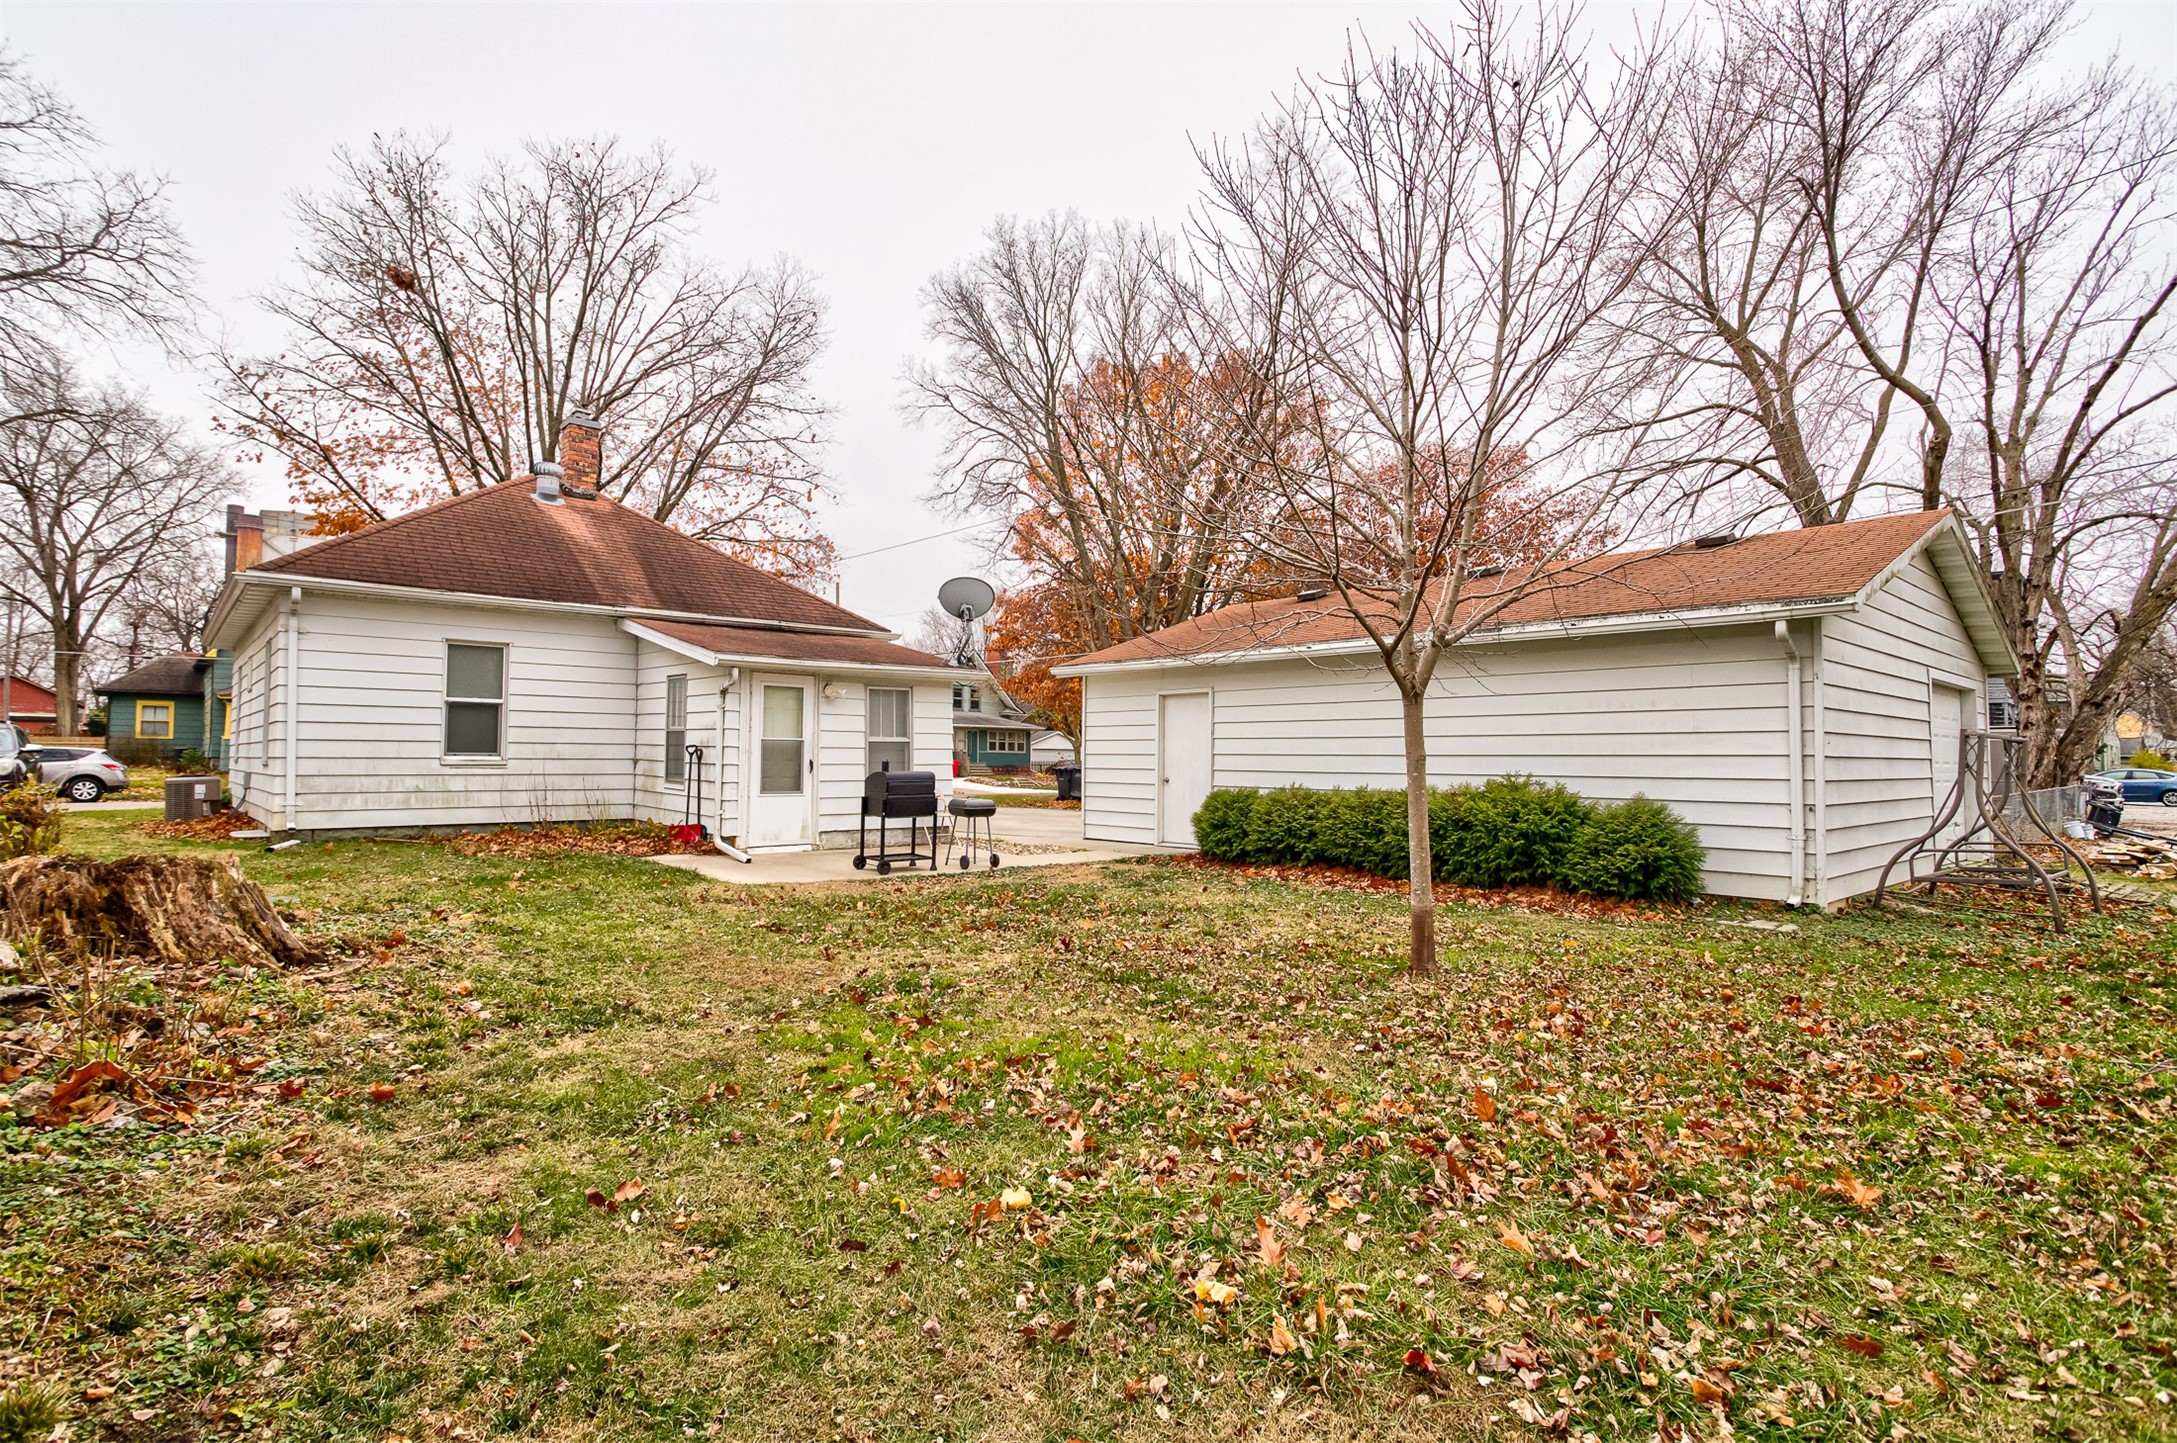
[(1421, 892), (67, 671)]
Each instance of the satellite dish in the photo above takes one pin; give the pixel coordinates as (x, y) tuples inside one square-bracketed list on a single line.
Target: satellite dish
[(967, 597)]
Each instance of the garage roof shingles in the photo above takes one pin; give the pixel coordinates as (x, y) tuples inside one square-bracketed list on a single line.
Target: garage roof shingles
[(503, 541), (1804, 566)]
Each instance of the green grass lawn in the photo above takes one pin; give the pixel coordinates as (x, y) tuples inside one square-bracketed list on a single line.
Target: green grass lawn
[(1137, 1151)]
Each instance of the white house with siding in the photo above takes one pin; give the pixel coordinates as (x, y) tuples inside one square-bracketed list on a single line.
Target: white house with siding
[(533, 652), (1797, 696)]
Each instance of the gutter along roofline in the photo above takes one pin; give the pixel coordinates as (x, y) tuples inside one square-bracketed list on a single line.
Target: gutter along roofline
[(224, 612)]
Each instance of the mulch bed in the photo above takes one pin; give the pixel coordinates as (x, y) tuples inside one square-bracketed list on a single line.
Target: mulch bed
[(1517, 899), (614, 839), (610, 839)]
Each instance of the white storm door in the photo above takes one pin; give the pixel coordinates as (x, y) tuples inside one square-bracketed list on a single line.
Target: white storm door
[(778, 806), (1946, 720), (1183, 759)]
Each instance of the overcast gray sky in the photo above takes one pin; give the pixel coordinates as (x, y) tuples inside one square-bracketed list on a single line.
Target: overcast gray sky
[(870, 143)]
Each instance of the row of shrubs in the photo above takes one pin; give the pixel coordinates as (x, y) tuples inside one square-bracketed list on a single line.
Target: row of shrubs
[(1511, 832)]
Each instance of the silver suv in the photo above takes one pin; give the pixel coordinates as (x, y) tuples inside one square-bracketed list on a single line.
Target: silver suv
[(81, 774)]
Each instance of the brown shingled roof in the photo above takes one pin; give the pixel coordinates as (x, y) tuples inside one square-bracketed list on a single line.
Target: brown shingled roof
[(176, 674), (1804, 567), (790, 645), (502, 541)]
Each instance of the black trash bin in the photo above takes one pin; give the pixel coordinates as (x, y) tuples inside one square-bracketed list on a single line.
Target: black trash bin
[(1069, 781), (2105, 815)]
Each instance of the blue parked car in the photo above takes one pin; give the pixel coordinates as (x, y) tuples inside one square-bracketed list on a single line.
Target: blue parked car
[(2141, 784)]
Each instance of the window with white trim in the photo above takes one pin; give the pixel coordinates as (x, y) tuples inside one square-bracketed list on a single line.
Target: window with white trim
[(676, 728), (475, 699), (995, 742), (889, 738)]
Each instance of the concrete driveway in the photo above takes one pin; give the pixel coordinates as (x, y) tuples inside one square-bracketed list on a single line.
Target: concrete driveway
[(1027, 837)]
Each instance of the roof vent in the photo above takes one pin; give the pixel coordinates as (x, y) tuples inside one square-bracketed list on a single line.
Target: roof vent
[(1713, 540), (547, 473), (1313, 593), (1484, 571)]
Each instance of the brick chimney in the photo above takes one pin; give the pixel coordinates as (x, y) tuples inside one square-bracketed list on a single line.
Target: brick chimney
[(582, 454), (245, 539)]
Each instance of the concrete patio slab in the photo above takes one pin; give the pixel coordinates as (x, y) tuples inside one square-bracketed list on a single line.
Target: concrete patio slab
[(1054, 835)]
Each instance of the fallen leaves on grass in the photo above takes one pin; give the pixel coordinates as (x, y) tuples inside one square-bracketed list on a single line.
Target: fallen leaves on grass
[(211, 827)]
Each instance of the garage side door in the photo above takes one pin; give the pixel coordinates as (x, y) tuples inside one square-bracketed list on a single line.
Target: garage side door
[(1183, 753), (1946, 720)]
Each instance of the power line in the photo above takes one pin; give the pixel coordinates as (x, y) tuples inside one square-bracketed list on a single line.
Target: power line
[(917, 541)]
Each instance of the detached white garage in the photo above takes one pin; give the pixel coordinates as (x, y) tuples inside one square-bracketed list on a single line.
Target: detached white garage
[(1797, 696)]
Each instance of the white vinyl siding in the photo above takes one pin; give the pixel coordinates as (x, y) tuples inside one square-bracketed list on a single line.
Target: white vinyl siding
[(584, 729), (1694, 719), (371, 724), (712, 719), (1878, 667)]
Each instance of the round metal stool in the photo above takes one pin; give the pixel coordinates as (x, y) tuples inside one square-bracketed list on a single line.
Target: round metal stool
[(979, 815)]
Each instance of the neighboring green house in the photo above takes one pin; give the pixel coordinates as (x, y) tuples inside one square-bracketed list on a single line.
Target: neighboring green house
[(156, 712), (987, 731), (218, 707)]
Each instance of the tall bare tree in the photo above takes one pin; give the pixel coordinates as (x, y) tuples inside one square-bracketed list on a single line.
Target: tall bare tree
[(80, 245), (445, 329), (2060, 311), (1748, 390), (95, 491), (1075, 410), (1917, 265), (166, 607), (1425, 255)]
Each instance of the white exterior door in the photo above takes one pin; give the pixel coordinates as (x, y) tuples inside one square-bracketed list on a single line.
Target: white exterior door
[(779, 810), (1183, 756), (1946, 721)]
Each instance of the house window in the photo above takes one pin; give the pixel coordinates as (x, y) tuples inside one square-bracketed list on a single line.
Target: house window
[(475, 699), (676, 728), (995, 742), (785, 736), (891, 712), (155, 720)]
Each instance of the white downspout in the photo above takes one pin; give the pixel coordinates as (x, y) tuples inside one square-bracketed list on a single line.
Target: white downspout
[(1821, 768), (292, 644), (718, 833), (1796, 770)]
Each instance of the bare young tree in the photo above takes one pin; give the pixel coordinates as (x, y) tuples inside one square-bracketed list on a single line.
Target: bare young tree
[(1074, 410), (445, 329), (1423, 254), (95, 492), (80, 245)]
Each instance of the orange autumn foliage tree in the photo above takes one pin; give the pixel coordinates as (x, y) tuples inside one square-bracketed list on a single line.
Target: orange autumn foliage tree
[(1140, 521)]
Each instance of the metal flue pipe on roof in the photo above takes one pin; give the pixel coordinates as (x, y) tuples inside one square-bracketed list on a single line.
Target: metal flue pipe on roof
[(547, 474)]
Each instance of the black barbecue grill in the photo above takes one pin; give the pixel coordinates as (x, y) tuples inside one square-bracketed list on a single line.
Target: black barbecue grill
[(890, 797)]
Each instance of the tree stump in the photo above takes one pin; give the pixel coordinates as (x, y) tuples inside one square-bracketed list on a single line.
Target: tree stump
[(182, 911)]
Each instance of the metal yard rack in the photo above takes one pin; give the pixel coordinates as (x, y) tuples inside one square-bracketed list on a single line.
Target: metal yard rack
[(1991, 831)]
